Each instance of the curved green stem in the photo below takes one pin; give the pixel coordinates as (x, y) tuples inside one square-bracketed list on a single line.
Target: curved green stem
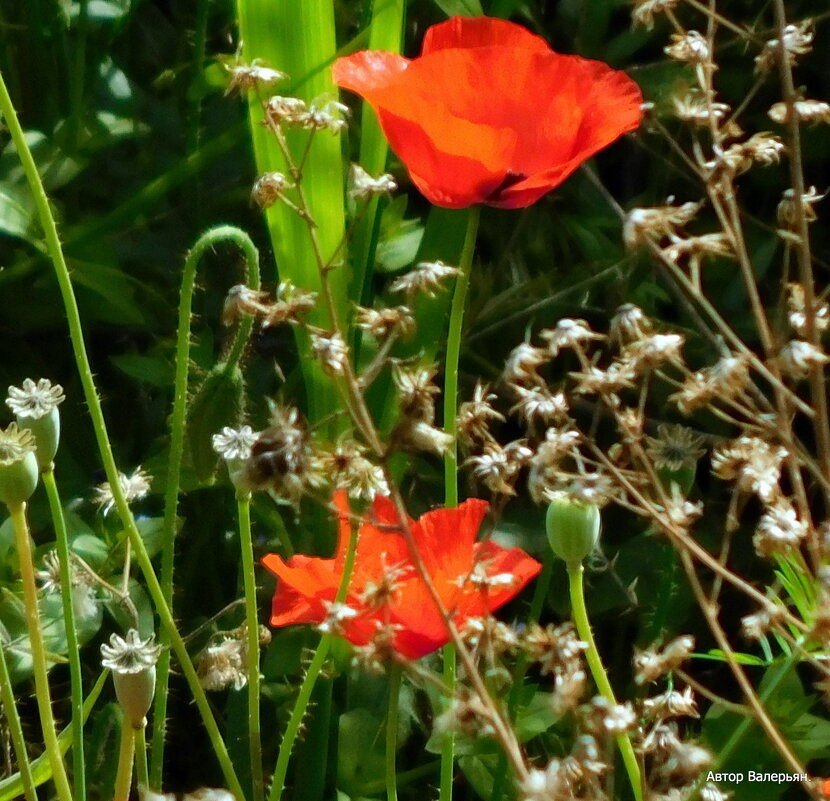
[(126, 755), (583, 628), (243, 505), (459, 302), (141, 775), (307, 687), (392, 732), (73, 648), (42, 692), (16, 730), (76, 334), (178, 419)]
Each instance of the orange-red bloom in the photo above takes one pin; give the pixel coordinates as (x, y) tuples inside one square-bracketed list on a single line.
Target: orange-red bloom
[(489, 113), (472, 578)]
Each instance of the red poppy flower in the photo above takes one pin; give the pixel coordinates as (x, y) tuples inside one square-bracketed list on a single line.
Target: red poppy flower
[(489, 113), (472, 578)]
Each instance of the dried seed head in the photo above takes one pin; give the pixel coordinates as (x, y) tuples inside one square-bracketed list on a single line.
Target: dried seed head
[(280, 457), (799, 358), (224, 664), (35, 400), (133, 665), (568, 333), (15, 444), (242, 301), (292, 306), (539, 405), (234, 444), (416, 436), (675, 448), (416, 391), (134, 487), (654, 223), (798, 313), (269, 188), (362, 186), (644, 11), (331, 116), (696, 111), (544, 465), (653, 351), (245, 77), (475, 416), (629, 324), (797, 41), (382, 323), (727, 378), (807, 111), (498, 468), (787, 211), (347, 467), (689, 46), (780, 530), (610, 720), (671, 704), (592, 380), (753, 463), (330, 350), (289, 110), (650, 665), (522, 364), (758, 625), (427, 277), (764, 148)]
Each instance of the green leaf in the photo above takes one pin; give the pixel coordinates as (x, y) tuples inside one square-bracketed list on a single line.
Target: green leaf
[(463, 8), (360, 755), (155, 370)]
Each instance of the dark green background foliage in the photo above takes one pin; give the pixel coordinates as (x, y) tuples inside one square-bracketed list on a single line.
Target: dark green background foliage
[(141, 151)]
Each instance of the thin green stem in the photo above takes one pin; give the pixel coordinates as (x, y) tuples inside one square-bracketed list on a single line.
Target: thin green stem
[(209, 240), (307, 687), (16, 730), (76, 334), (583, 628), (243, 505), (73, 648), (392, 732), (141, 775), (42, 692), (459, 302), (126, 755)]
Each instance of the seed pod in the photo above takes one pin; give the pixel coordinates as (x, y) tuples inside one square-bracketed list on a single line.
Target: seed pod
[(572, 529)]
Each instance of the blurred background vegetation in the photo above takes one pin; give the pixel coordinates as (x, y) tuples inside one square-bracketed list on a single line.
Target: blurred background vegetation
[(141, 150)]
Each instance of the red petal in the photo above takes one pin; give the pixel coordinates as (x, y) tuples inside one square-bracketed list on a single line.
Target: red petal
[(305, 583), (368, 70), (470, 32), (445, 539)]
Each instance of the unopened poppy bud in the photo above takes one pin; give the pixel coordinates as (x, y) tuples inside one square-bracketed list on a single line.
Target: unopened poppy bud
[(573, 529), (18, 465), (133, 665), (36, 407)]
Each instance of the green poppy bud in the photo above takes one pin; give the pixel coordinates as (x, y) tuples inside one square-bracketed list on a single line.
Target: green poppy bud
[(133, 665), (573, 529), (36, 407), (18, 465)]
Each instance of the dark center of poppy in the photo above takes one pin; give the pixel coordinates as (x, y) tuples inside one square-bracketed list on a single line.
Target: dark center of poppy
[(509, 180)]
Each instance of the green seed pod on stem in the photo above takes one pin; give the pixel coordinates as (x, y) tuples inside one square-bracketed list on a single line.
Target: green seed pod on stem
[(18, 465), (36, 407), (572, 529)]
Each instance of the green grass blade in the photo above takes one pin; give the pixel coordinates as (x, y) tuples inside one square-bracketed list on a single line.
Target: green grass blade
[(298, 38)]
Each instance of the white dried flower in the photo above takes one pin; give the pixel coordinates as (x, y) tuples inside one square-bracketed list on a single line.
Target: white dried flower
[(474, 416), (245, 77), (645, 10), (629, 324), (727, 378), (753, 463), (799, 358), (522, 364), (382, 323), (426, 277), (130, 654), (134, 487), (568, 333), (223, 665), (656, 222), (234, 444), (765, 148), (808, 111), (671, 704), (592, 380), (689, 46), (539, 404), (332, 117), (780, 530), (348, 468), (288, 110), (797, 311), (362, 186), (797, 41), (654, 350), (331, 351), (35, 400), (697, 111)]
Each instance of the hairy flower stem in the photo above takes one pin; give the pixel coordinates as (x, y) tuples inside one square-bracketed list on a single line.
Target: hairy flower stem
[(206, 242), (243, 506), (15, 730), (459, 303), (395, 672), (126, 756), (583, 628), (73, 649), (142, 778), (307, 687), (42, 692), (55, 251)]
